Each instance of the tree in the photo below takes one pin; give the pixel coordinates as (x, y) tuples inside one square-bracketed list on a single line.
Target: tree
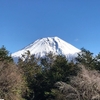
[(29, 66), (84, 86), (97, 65), (11, 82), (4, 55), (66, 92), (55, 68), (85, 57), (87, 83), (41, 74)]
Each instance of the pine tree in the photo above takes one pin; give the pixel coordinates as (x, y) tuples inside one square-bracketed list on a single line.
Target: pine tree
[(4, 55), (86, 58), (29, 65)]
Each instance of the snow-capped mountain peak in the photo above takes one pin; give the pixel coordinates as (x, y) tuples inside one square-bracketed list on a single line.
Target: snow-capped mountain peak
[(43, 46)]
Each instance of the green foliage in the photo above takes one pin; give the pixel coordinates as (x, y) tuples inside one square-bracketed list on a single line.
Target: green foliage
[(4, 55), (62, 68), (97, 66), (41, 74), (12, 84), (30, 68), (35, 78), (57, 95), (86, 58)]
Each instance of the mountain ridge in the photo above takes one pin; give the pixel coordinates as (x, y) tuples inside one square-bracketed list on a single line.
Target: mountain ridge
[(43, 46)]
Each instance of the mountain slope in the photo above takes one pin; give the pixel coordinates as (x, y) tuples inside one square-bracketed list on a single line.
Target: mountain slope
[(43, 46)]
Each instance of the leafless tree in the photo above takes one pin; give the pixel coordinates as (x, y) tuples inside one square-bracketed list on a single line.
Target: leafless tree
[(84, 86), (11, 82)]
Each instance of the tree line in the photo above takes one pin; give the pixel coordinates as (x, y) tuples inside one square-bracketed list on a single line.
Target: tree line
[(52, 77)]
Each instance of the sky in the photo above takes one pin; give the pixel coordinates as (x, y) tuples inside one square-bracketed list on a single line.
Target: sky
[(75, 21)]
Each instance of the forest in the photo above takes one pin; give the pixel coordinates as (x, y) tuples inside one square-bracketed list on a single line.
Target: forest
[(52, 77)]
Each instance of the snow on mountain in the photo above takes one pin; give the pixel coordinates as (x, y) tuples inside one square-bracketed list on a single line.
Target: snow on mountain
[(43, 46)]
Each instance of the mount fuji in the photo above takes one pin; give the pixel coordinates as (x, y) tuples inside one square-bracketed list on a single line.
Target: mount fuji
[(43, 46)]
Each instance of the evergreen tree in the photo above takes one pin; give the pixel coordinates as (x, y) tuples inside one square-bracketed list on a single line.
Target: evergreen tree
[(85, 57), (97, 61), (55, 68), (30, 68), (4, 55), (41, 74)]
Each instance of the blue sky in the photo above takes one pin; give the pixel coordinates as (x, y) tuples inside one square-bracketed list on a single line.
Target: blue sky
[(75, 21)]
